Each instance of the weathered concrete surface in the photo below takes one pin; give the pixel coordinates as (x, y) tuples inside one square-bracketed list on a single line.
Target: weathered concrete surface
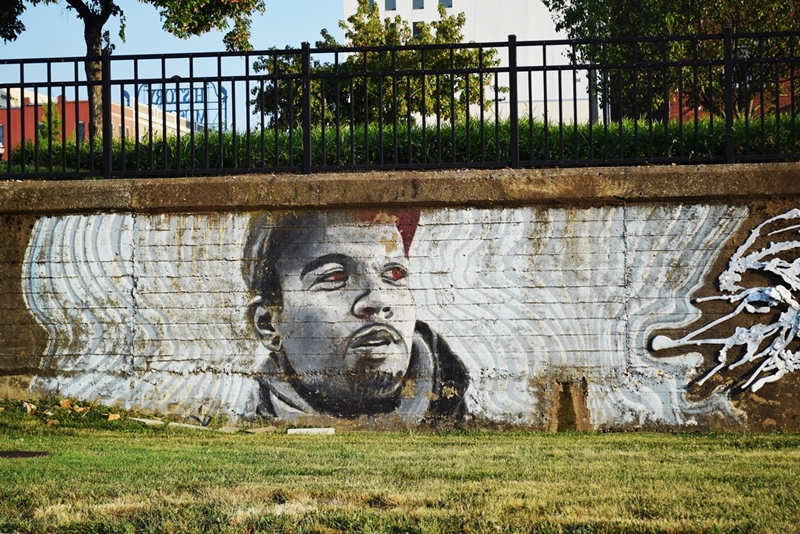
[(583, 265), (485, 188), (22, 340)]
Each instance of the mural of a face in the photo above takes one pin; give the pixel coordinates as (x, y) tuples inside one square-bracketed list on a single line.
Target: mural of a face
[(346, 320)]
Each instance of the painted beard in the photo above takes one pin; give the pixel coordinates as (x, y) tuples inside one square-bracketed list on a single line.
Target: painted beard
[(364, 386), (361, 384), (368, 393)]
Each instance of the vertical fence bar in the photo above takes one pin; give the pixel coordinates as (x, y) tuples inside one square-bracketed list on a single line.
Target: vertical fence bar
[(727, 36), (193, 115), (123, 136), (137, 141), (9, 141), (513, 97), (22, 137), (220, 136), (248, 112), (49, 118), (544, 99), (791, 95), (276, 116), (106, 107), (37, 132), (366, 110), (306, 108), (164, 133), (593, 109)]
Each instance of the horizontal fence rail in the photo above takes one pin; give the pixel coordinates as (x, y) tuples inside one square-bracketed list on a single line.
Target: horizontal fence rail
[(719, 98)]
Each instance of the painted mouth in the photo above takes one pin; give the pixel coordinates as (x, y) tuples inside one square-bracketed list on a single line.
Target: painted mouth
[(374, 336)]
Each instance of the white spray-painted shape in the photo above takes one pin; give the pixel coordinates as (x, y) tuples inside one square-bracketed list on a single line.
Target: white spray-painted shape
[(776, 359)]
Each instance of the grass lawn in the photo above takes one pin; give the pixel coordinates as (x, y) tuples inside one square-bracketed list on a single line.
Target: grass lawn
[(121, 476)]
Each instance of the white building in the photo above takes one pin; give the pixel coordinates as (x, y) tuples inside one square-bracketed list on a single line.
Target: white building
[(13, 97), (493, 21)]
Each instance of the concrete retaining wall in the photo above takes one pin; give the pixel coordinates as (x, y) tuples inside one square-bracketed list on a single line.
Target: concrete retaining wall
[(663, 297)]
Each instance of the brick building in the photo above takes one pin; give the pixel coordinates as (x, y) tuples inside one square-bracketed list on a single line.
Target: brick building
[(23, 113)]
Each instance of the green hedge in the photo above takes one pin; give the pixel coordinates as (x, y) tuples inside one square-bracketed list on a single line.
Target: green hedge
[(460, 144)]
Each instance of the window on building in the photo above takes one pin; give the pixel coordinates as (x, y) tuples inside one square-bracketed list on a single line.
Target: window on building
[(446, 3), (391, 5), (417, 28), (81, 133), (419, 4)]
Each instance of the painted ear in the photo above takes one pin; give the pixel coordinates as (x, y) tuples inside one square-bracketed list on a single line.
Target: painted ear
[(262, 322)]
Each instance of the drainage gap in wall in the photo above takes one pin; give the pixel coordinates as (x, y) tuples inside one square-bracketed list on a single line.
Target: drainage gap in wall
[(567, 422)]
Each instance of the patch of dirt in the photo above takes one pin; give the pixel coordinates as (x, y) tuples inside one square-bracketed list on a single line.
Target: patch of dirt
[(24, 454)]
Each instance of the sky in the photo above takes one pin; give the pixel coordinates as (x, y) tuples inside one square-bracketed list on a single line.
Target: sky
[(54, 31)]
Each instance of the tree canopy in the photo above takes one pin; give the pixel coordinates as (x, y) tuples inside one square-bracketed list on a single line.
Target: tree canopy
[(367, 97), (585, 19), (592, 19), (182, 18)]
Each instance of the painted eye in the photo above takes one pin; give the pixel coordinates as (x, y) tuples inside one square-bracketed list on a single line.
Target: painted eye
[(394, 273), (336, 276)]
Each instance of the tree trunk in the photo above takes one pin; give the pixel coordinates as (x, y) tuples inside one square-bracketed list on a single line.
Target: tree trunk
[(93, 34)]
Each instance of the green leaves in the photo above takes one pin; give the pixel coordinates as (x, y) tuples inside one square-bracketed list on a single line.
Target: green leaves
[(185, 18), (755, 82), (366, 89), (10, 24), (182, 18)]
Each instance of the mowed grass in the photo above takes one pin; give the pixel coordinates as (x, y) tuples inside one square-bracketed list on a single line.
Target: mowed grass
[(124, 477)]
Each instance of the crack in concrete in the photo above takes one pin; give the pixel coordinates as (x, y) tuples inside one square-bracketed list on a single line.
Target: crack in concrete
[(626, 287), (134, 289)]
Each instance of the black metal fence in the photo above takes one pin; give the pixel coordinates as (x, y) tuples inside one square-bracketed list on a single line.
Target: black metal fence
[(719, 98)]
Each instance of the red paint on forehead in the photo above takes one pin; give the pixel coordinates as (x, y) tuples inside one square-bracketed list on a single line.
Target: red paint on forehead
[(406, 222)]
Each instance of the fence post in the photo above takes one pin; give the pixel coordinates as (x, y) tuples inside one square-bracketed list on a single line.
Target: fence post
[(306, 108), (727, 36), (594, 109), (513, 98), (106, 107)]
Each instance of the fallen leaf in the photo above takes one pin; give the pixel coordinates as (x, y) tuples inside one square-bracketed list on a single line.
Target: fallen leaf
[(2, 409), (52, 421), (113, 416), (81, 409), (65, 403), (29, 408)]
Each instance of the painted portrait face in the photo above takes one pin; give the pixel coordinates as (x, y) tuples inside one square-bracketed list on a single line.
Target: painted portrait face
[(347, 317)]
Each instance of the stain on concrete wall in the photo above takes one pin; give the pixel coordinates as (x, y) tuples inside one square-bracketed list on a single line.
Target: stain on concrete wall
[(22, 340), (544, 316)]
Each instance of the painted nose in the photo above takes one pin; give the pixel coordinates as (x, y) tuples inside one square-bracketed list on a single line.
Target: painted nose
[(370, 306)]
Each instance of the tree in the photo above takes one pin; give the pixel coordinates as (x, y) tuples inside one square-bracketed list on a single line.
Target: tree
[(371, 94), (182, 18), (49, 130), (592, 19)]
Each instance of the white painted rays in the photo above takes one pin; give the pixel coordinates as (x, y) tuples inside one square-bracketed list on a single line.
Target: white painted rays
[(769, 341)]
